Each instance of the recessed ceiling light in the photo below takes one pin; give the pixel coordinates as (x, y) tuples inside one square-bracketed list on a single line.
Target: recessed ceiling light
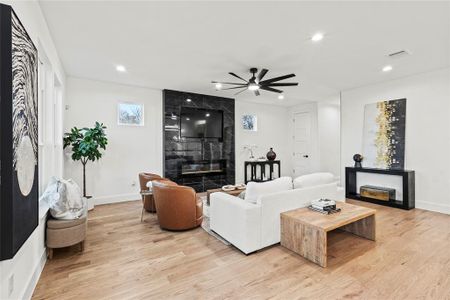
[(120, 68), (207, 115), (280, 97), (218, 86), (188, 100), (387, 68), (317, 37), (187, 119)]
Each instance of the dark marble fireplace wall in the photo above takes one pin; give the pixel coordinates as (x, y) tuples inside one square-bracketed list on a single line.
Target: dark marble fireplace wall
[(177, 150)]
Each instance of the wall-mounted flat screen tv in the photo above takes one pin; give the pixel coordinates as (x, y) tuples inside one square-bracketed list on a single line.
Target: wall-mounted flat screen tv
[(201, 123)]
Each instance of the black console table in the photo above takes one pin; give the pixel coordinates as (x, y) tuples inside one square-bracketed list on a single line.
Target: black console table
[(408, 179), (262, 166)]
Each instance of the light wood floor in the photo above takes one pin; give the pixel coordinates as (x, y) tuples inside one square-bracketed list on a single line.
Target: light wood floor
[(127, 259)]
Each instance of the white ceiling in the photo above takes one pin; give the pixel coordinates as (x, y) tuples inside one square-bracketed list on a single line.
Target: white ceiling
[(185, 45)]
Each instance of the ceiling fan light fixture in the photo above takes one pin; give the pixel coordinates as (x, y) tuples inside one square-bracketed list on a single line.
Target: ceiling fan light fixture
[(256, 83), (253, 87)]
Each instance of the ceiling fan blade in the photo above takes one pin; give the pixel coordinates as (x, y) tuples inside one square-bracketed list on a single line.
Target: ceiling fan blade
[(240, 91), (256, 93), (235, 87), (228, 82), (266, 88), (262, 74), (277, 79), (282, 84), (232, 74)]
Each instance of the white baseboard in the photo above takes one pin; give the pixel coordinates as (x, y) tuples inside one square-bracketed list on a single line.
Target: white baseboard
[(116, 198), (35, 277), (442, 208)]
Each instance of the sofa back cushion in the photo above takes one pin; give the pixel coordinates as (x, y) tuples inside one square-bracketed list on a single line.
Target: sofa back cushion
[(256, 189), (313, 179)]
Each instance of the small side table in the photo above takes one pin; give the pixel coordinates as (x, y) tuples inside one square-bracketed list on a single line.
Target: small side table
[(262, 170), (143, 194)]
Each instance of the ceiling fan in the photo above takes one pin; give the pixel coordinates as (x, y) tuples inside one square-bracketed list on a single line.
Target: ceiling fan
[(255, 83)]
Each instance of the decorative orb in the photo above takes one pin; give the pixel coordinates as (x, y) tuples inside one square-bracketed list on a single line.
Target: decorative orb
[(357, 158)]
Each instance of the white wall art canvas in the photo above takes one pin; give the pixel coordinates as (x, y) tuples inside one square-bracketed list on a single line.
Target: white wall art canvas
[(384, 134), (250, 122), (130, 114)]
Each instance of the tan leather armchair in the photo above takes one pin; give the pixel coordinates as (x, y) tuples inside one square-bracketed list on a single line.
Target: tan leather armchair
[(148, 201), (177, 207)]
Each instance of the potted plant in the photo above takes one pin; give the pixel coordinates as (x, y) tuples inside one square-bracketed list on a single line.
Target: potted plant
[(86, 144)]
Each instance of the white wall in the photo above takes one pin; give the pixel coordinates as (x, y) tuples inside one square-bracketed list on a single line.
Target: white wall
[(27, 264), (329, 118), (272, 132), (130, 149), (427, 131)]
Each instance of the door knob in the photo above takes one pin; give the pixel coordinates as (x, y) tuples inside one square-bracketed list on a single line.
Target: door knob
[(305, 156)]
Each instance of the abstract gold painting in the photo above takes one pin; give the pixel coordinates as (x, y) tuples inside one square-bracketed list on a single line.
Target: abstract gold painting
[(384, 134)]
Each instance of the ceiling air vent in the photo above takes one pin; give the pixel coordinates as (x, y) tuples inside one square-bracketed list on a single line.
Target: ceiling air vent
[(399, 54)]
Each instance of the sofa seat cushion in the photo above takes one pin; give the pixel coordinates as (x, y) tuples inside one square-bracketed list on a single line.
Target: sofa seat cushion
[(256, 189), (313, 179), (60, 224)]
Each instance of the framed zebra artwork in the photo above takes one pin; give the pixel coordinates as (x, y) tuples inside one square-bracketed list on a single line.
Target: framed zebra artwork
[(18, 134)]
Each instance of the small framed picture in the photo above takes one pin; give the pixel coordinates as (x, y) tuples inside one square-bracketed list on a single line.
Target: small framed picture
[(250, 122), (131, 114)]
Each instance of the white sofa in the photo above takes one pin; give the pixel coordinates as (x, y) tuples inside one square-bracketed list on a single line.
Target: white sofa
[(250, 225)]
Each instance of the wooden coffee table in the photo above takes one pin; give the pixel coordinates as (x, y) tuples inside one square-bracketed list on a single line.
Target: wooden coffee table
[(305, 231), (235, 192)]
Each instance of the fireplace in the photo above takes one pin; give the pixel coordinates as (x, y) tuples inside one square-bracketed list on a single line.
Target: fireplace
[(202, 163), (192, 168)]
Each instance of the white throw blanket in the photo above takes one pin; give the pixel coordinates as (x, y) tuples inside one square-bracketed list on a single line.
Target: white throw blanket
[(64, 199)]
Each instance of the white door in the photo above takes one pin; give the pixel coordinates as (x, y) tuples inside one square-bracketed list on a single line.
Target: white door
[(302, 143)]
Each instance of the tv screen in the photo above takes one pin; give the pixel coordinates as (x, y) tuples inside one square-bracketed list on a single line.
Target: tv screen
[(201, 123)]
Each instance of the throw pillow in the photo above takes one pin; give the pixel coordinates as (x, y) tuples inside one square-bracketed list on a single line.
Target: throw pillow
[(66, 202)]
